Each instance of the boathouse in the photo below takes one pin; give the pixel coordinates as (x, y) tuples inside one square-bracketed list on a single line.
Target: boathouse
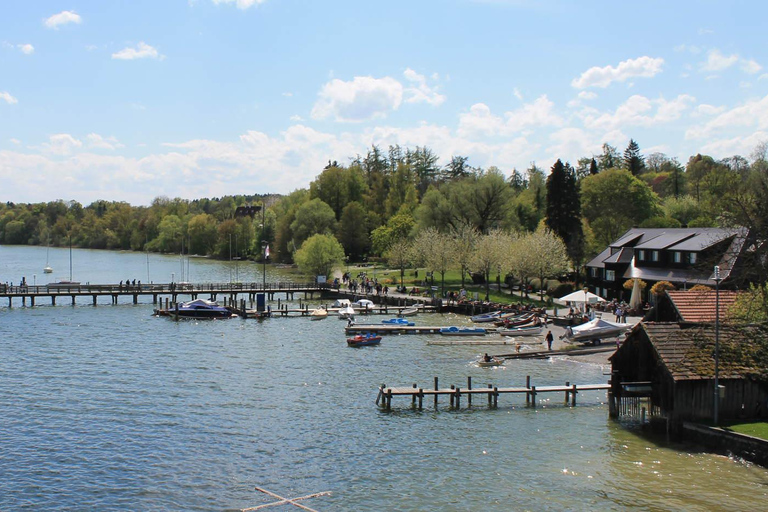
[(670, 368)]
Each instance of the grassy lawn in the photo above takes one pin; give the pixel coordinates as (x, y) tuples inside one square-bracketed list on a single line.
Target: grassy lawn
[(452, 283), (754, 428)]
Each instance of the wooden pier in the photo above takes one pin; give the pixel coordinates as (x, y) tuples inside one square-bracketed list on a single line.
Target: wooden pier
[(491, 393), (379, 309)]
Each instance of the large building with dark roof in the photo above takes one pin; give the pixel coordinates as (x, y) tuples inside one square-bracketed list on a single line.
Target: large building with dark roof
[(683, 256)]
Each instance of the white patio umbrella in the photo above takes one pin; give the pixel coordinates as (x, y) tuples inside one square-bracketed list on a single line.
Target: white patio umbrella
[(636, 300), (581, 297)]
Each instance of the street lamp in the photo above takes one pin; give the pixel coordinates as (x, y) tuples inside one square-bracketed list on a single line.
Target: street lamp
[(717, 342), (264, 246)]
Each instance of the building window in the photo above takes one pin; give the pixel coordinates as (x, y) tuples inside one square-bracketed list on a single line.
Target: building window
[(692, 258), (593, 272), (654, 255), (610, 275), (677, 256), (640, 254)]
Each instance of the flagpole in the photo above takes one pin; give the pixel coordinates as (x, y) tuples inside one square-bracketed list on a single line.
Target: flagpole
[(264, 254)]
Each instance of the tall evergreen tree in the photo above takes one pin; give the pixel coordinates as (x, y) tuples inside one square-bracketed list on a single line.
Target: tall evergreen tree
[(633, 161), (593, 167), (564, 210)]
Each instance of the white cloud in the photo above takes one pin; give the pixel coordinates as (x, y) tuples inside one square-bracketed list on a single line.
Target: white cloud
[(582, 96), (288, 94), (63, 18), (707, 110), (741, 145), (752, 114), (602, 77), (517, 94), (241, 4), (750, 66), (8, 98), (15, 141), (361, 99), (296, 118), (688, 48), (638, 111), (421, 92), (479, 121), (26, 49), (142, 51), (716, 61), (61, 144), (98, 142)]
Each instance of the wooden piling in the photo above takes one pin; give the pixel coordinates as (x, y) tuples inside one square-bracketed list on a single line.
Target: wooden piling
[(528, 386), (413, 398), (436, 393), (567, 392), (573, 396), (469, 396), (421, 398)]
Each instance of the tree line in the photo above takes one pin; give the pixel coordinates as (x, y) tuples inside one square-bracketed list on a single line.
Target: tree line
[(385, 198)]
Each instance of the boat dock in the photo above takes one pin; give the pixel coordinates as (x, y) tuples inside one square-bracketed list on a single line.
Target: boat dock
[(491, 393), (306, 310), (401, 329)]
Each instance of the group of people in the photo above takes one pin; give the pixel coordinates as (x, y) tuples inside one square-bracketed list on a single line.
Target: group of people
[(130, 285), (364, 284)]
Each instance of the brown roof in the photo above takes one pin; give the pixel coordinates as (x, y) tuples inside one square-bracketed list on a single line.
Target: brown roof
[(687, 350), (699, 305)]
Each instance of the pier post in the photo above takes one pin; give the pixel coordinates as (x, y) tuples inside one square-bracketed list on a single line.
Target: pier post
[(154, 298), (490, 396), (567, 392), (389, 399), (94, 299), (527, 386), (32, 301), (612, 412), (533, 396), (469, 396), (421, 398), (413, 397), (53, 300), (23, 301), (73, 300), (573, 396), (458, 397), (10, 302), (135, 298), (453, 397), (436, 388), (495, 397)]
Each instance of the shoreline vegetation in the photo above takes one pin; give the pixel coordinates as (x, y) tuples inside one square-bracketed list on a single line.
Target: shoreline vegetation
[(532, 229)]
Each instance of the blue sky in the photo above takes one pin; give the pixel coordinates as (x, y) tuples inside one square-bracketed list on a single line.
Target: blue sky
[(130, 100)]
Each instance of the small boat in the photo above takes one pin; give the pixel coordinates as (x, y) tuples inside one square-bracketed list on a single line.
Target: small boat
[(199, 308), (515, 320), (462, 331), (532, 330), (487, 317), (346, 313), (341, 303), (47, 269), (411, 311), (318, 314), (398, 321), (363, 340), (595, 330), (494, 361), (364, 303)]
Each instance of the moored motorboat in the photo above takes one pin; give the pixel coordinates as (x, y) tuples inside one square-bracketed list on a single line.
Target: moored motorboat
[(363, 340), (346, 313), (462, 331), (198, 308), (486, 317), (398, 321), (595, 330), (318, 314), (410, 311), (532, 330)]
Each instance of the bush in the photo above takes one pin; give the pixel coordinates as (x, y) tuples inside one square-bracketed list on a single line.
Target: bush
[(561, 289), (659, 288)]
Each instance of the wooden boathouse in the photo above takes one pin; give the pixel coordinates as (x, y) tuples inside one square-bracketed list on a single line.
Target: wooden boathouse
[(668, 369)]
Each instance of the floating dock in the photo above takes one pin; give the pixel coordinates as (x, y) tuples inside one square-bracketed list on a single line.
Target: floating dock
[(401, 329), (491, 393)]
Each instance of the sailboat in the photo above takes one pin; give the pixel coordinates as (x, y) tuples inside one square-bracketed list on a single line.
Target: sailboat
[(47, 269)]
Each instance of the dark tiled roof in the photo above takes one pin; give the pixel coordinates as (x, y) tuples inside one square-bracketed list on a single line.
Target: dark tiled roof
[(699, 305), (598, 261), (624, 255), (664, 240), (627, 238), (706, 237), (686, 350)]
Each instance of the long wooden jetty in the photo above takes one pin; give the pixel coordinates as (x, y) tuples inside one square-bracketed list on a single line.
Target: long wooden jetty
[(399, 329), (491, 393)]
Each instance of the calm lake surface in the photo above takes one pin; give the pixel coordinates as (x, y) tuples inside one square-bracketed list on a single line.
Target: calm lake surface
[(110, 408)]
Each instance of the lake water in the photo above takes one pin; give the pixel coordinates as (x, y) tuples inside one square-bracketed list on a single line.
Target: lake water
[(110, 408)]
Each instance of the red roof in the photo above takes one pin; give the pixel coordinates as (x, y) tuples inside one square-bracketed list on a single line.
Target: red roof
[(699, 305)]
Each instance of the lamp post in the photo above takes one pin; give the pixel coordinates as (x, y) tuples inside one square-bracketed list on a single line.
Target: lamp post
[(717, 343), (264, 245)]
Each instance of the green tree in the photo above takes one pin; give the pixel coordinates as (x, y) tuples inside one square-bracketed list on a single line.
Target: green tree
[(319, 255), (564, 210), (436, 251), (633, 160), (614, 201), (353, 231), (312, 217), (202, 234), (399, 255), (398, 227)]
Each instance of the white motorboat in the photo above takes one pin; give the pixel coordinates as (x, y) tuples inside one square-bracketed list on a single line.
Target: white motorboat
[(318, 314), (410, 311), (532, 330), (346, 313), (595, 330)]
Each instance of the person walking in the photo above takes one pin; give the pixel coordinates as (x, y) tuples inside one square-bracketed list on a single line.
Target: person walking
[(549, 338)]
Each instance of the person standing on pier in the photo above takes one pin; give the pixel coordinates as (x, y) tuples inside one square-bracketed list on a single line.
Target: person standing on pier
[(549, 338)]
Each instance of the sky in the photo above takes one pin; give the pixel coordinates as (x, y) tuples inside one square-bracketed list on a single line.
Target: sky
[(129, 100)]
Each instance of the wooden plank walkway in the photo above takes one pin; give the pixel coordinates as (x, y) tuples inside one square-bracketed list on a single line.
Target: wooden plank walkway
[(492, 393)]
